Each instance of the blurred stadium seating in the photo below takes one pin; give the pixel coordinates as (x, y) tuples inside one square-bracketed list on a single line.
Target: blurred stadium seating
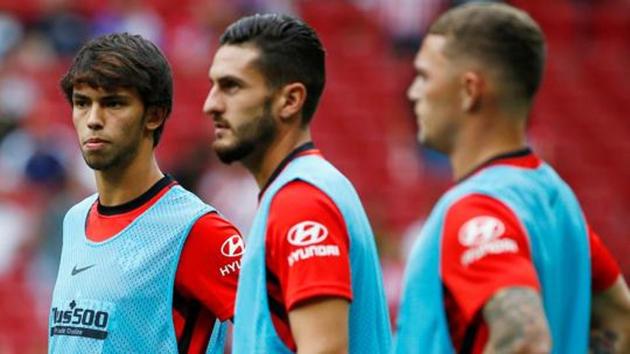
[(580, 117), (364, 124)]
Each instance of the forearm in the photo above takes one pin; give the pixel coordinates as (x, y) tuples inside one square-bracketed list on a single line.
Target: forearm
[(606, 340), (321, 326), (516, 322), (610, 320)]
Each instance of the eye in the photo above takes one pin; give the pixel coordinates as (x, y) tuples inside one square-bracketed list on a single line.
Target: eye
[(80, 103), (114, 104), (229, 86)]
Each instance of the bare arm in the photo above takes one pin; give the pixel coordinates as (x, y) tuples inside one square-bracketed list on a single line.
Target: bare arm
[(320, 326), (610, 320), (517, 322)]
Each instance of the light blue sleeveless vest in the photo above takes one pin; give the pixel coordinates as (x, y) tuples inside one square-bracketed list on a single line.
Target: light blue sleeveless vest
[(116, 296), (556, 230), (369, 329)]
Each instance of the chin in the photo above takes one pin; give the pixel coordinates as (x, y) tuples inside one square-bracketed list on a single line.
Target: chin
[(110, 161), (225, 158), (423, 140), (229, 154), (428, 143), (97, 165), (223, 152), (219, 144)]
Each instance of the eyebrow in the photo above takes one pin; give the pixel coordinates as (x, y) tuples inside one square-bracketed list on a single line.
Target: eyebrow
[(115, 96), (231, 78), (78, 96), (112, 96)]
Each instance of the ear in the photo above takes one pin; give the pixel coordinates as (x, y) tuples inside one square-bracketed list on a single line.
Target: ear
[(291, 100), (473, 88), (154, 117)]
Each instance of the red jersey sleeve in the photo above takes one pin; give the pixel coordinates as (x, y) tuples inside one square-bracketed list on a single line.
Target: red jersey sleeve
[(307, 245), (209, 265), (484, 249), (604, 269)]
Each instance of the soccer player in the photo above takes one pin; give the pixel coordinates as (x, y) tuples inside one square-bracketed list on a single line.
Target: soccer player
[(310, 279), (146, 267), (506, 262)]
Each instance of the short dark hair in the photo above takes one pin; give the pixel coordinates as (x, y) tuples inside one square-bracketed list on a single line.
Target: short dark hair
[(124, 60), (290, 51), (499, 35)]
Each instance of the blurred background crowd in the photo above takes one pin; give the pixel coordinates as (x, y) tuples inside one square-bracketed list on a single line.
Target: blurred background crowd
[(364, 125)]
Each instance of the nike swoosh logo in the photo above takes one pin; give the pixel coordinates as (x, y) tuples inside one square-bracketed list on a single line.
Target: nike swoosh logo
[(76, 270)]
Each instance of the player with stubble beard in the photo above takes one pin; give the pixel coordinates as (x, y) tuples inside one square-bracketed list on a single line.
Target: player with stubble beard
[(144, 262), (310, 280)]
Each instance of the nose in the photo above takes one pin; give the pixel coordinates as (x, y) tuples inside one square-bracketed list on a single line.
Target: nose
[(95, 119), (214, 105), (412, 91)]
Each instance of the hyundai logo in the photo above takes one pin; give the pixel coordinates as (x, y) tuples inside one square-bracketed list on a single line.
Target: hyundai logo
[(307, 233), (233, 246), (480, 230)]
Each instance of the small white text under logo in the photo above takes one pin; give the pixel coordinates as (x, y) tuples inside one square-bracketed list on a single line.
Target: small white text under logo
[(313, 251), (499, 246), (230, 268)]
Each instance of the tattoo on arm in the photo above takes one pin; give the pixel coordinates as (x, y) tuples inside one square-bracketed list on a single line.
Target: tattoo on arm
[(517, 322), (610, 320), (603, 341)]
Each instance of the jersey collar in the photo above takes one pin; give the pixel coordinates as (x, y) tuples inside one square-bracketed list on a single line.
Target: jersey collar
[(524, 158), (164, 182), (300, 150)]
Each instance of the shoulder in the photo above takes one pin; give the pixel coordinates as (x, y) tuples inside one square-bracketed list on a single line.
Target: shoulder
[(213, 220), (475, 205), (82, 206), (180, 196), (307, 244), (301, 208), (299, 200), (478, 212), (209, 264), (214, 237), (477, 225), (315, 169), (299, 193), (484, 248), (86, 202)]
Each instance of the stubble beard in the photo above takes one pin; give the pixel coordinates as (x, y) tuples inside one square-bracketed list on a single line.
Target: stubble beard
[(253, 137), (120, 155), (116, 160)]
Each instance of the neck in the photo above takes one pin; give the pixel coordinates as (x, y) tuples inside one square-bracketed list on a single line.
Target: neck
[(118, 186), (262, 166), (485, 141)]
